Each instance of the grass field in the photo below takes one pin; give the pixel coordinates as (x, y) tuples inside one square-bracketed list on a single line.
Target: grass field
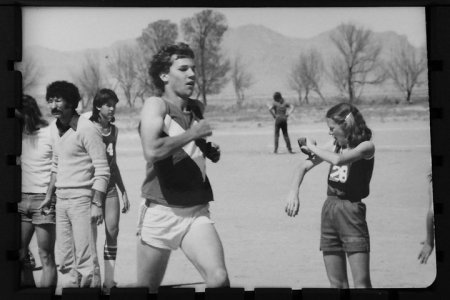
[(265, 248)]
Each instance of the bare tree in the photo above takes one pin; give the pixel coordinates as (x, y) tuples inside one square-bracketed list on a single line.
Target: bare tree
[(90, 79), (156, 35), (31, 71), (153, 38), (406, 67), (144, 83), (204, 32), (308, 73), (122, 66), (241, 78), (295, 82), (358, 63)]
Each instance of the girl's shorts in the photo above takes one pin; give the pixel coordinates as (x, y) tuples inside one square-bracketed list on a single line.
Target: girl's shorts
[(112, 194), (29, 212), (344, 226), (165, 227)]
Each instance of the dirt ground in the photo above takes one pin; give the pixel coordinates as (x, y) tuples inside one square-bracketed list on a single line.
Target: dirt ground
[(263, 246)]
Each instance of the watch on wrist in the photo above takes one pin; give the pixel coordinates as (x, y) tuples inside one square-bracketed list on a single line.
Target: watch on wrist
[(97, 203)]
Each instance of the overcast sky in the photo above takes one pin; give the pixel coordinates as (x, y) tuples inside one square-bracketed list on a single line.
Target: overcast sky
[(68, 29)]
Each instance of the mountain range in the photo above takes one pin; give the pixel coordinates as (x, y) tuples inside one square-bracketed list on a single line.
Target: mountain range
[(268, 56)]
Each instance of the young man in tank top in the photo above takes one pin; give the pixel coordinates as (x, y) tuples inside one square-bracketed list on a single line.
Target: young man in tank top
[(176, 188)]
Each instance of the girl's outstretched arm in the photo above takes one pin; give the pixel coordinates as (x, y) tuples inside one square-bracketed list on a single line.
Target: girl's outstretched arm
[(364, 150), (293, 201)]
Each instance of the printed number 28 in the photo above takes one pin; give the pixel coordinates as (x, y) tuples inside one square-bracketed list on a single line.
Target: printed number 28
[(339, 174), (110, 149)]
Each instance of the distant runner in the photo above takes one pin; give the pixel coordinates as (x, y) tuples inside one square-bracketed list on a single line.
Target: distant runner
[(281, 110)]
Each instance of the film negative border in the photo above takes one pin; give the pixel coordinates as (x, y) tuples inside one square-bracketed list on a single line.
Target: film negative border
[(438, 35), (10, 39)]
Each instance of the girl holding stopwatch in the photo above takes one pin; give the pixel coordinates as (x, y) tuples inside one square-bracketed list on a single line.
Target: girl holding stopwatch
[(344, 231), (104, 106)]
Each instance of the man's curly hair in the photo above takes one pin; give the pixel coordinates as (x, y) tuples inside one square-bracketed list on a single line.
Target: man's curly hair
[(65, 90)]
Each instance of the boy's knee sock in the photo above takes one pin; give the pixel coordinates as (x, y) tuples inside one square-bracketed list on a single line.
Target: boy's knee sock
[(109, 256)]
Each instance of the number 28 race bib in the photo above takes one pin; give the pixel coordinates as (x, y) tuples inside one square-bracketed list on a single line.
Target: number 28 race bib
[(339, 173)]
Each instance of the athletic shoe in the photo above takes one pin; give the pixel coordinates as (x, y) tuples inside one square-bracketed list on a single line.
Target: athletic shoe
[(107, 290), (29, 262)]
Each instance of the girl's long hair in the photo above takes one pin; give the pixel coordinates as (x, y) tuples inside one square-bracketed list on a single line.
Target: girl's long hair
[(31, 115), (102, 97), (352, 122)]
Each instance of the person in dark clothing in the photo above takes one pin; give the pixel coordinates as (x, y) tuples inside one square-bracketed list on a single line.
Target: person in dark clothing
[(280, 110)]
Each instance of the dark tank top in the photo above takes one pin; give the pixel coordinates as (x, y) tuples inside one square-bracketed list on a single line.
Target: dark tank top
[(179, 179), (110, 141), (350, 181)]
